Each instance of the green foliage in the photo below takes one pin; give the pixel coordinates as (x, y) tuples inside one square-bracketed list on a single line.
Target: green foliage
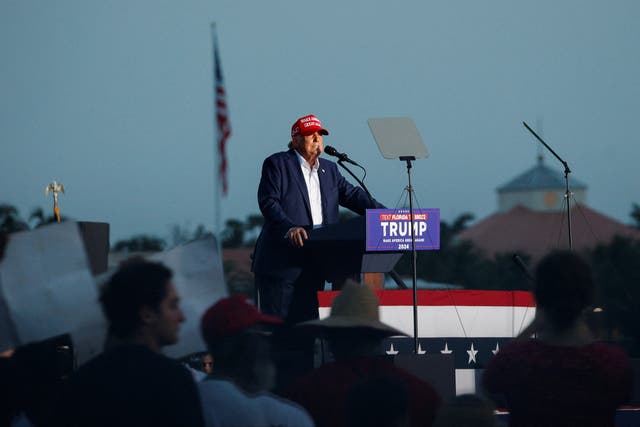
[(10, 220), (140, 243), (239, 234), (38, 218), (254, 221), (233, 234), (635, 215), (461, 263), (617, 275), (184, 234), (448, 232)]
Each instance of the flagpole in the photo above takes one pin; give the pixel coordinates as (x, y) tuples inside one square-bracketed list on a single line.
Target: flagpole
[(222, 130)]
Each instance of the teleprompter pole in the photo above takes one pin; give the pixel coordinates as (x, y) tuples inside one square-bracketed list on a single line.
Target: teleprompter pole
[(414, 257)]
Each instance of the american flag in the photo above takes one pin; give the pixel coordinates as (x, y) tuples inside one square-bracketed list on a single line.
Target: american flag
[(222, 119)]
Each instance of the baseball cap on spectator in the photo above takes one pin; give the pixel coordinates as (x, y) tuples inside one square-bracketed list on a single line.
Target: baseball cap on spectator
[(307, 125), (230, 316)]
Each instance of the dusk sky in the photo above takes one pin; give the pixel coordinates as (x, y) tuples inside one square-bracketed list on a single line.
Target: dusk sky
[(115, 99)]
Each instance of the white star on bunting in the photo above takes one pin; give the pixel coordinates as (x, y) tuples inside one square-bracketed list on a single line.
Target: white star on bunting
[(392, 350), (497, 349), (446, 349), (472, 355)]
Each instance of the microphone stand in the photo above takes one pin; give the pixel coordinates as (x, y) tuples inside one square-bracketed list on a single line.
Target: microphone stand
[(360, 182), (567, 171)]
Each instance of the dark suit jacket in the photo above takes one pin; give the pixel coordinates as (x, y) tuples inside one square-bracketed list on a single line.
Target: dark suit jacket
[(284, 202)]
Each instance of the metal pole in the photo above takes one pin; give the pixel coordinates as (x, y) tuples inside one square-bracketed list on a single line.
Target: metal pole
[(567, 171), (568, 197), (414, 257)]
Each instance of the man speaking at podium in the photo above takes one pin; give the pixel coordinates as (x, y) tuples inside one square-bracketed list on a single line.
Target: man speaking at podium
[(298, 191)]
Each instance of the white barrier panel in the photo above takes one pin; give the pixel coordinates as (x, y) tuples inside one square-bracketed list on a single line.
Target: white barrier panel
[(47, 289), (199, 280)]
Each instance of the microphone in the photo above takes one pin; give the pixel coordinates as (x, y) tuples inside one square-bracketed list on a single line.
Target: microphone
[(341, 156)]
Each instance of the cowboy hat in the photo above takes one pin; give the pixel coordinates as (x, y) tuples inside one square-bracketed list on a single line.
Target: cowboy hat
[(355, 308)]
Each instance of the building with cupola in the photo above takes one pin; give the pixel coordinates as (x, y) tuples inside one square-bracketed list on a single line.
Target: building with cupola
[(531, 217)]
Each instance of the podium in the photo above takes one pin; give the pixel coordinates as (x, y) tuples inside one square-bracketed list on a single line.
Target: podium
[(339, 250)]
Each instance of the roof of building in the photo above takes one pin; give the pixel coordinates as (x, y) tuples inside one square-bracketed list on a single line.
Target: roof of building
[(540, 177), (525, 231)]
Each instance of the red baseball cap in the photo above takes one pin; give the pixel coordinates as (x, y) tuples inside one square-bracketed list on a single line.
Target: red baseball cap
[(307, 125), (230, 316)]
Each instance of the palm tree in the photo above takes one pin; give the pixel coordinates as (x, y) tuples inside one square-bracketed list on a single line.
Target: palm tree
[(254, 221), (37, 215), (38, 218), (140, 243), (233, 234), (181, 234), (635, 214), (10, 220)]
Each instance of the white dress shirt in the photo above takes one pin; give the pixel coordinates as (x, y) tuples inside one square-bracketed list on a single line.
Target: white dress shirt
[(313, 188)]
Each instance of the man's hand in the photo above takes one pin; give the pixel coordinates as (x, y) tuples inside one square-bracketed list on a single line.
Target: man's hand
[(297, 236)]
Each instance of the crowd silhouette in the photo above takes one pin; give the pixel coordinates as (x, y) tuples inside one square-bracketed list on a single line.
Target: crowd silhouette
[(554, 374)]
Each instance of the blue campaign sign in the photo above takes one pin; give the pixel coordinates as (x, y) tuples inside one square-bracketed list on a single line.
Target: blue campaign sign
[(390, 229)]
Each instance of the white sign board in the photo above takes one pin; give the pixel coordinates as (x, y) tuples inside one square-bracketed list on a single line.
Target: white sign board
[(199, 280), (46, 289)]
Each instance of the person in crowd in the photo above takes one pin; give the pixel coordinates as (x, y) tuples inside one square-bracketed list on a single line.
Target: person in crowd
[(4, 241), (207, 363), (298, 190), (235, 393), (379, 401), (37, 379), (9, 409), (564, 377), (132, 383), (466, 410), (355, 333)]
